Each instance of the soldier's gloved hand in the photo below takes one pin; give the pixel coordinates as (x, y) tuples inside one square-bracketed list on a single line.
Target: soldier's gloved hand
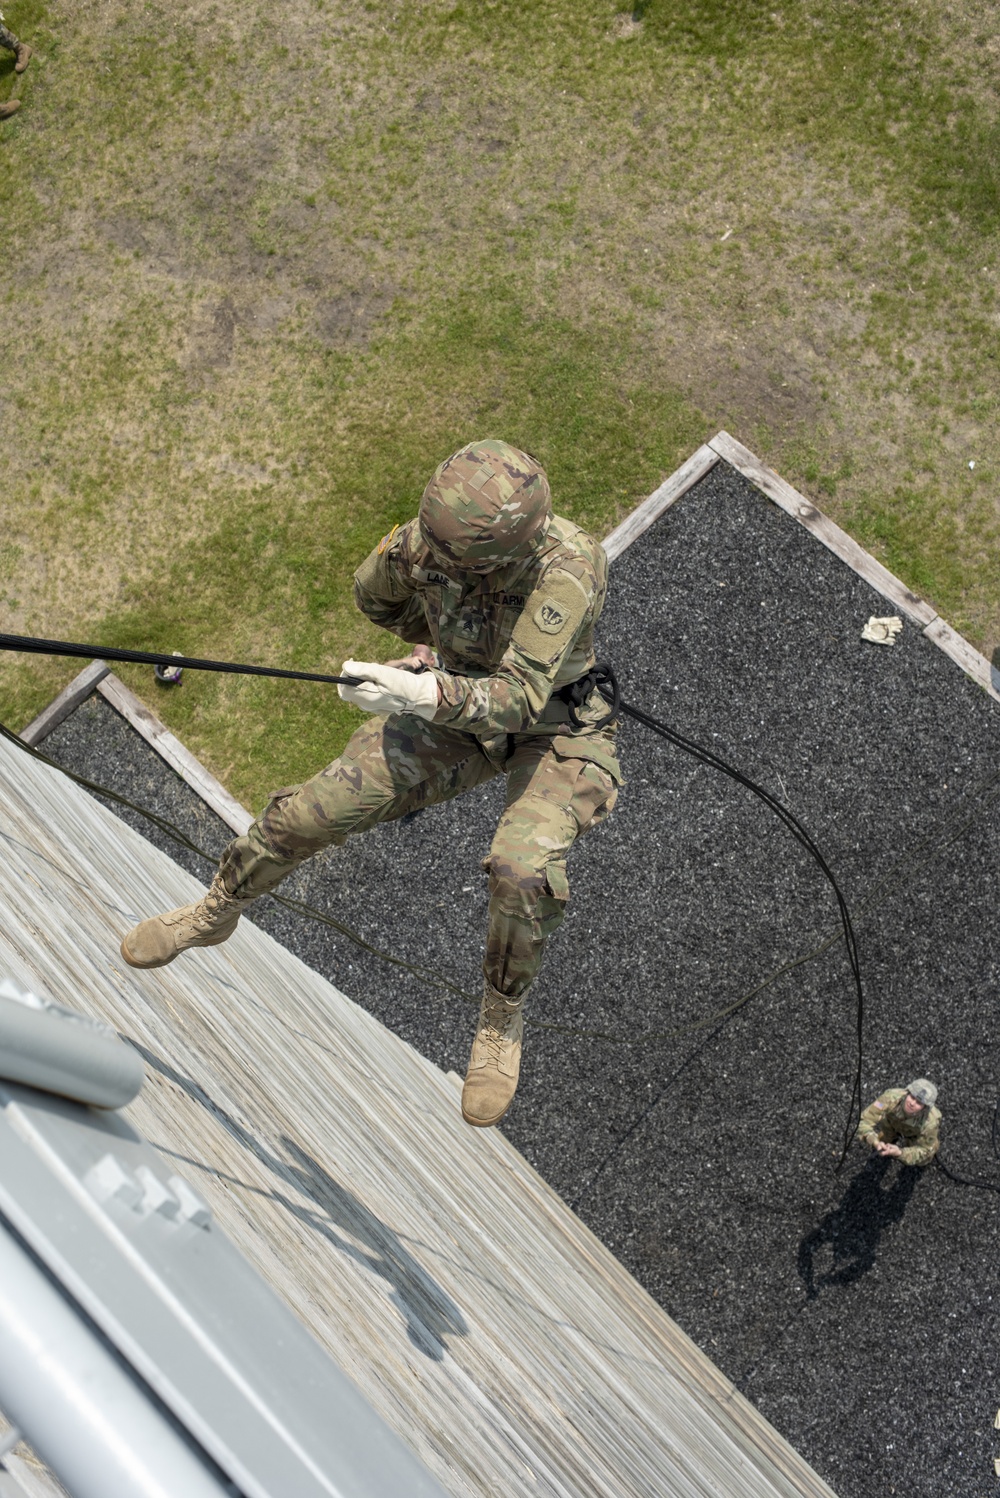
[(386, 689), (420, 657)]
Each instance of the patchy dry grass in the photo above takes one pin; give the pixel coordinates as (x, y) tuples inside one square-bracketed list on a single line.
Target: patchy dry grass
[(265, 268)]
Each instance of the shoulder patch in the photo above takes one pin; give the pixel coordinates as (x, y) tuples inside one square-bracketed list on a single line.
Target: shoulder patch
[(386, 539), (551, 617), (880, 1105)]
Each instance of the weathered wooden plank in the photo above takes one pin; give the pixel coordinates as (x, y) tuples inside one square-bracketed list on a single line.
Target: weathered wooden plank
[(966, 655), (23, 1476), (671, 490), (69, 699), (501, 1340), (823, 528), (170, 748)]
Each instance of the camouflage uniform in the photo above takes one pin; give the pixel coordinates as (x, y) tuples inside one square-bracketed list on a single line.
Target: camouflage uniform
[(507, 639), (886, 1122), (508, 595), (7, 38)]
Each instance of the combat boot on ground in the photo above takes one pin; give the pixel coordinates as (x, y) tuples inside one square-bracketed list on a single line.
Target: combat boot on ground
[(9, 107), (206, 923), (491, 1081), (23, 56)]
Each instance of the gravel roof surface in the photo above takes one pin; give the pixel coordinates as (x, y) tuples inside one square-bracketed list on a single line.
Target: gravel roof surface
[(857, 1310)]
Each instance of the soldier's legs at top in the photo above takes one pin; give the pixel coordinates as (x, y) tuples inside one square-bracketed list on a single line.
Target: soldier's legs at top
[(19, 48), (551, 801), (390, 767)]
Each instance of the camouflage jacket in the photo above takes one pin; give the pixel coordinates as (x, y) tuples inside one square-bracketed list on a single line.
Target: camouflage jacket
[(507, 639), (885, 1120)]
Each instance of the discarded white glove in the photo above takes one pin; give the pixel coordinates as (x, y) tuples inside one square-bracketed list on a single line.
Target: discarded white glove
[(882, 631), (387, 689)]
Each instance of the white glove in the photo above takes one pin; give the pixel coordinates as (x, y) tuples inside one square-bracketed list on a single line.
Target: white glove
[(387, 689), (882, 631)]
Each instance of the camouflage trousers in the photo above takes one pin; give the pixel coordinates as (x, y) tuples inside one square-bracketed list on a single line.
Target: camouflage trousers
[(7, 38), (401, 764)]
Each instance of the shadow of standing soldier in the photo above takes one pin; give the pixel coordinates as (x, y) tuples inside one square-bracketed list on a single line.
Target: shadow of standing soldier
[(876, 1198)]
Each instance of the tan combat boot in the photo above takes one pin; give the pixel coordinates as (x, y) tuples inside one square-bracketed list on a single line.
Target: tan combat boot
[(9, 107), (23, 55), (491, 1081), (206, 923)]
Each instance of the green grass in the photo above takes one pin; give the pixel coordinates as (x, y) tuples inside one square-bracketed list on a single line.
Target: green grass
[(262, 281)]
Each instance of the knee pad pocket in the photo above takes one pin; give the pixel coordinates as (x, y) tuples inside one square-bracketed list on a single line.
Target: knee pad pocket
[(530, 894), (552, 902)]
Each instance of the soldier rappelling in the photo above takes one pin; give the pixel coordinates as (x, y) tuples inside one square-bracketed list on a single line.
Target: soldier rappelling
[(499, 598)]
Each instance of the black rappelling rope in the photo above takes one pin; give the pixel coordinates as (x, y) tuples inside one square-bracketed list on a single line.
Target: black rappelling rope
[(965, 1180), (31, 646), (602, 678), (575, 696), (960, 1180)]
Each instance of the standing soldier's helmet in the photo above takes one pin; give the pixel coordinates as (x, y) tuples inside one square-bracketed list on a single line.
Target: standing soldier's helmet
[(486, 506), (925, 1092)]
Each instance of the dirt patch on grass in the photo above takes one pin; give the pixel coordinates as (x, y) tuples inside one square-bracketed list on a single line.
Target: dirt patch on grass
[(268, 268), (626, 26), (351, 319)]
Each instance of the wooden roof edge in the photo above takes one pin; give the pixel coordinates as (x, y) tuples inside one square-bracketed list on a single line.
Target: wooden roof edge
[(825, 530)]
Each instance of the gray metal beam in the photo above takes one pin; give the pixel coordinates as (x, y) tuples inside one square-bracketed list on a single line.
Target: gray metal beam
[(135, 1247), (83, 1411)]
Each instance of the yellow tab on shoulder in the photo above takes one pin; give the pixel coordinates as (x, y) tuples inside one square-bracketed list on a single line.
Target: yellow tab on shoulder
[(386, 539)]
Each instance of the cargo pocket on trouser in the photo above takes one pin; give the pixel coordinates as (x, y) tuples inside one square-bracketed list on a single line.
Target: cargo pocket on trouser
[(552, 800), (594, 796), (270, 848), (526, 906), (290, 827)]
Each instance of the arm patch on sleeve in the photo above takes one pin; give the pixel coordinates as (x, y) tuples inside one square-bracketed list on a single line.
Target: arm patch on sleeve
[(551, 618), (382, 573)]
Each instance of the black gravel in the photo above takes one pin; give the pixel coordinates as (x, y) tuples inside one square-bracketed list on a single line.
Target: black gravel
[(857, 1310)]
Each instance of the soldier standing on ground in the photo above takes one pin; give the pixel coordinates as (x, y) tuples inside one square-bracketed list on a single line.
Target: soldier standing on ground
[(499, 598), (903, 1123), (22, 54)]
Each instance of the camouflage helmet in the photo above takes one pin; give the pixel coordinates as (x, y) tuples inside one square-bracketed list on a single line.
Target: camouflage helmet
[(486, 506), (925, 1092)]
